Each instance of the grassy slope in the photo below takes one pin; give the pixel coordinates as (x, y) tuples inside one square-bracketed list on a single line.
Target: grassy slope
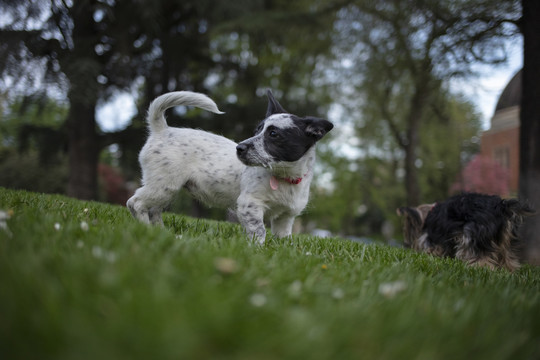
[(122, 290)]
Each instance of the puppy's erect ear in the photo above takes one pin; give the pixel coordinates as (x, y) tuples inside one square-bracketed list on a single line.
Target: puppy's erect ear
[(273, 106), (316, 127)]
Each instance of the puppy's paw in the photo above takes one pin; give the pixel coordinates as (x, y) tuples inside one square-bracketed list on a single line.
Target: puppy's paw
[(257, 239)]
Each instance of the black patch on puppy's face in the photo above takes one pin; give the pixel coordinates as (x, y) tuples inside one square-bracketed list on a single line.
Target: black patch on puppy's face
[(291, 143)]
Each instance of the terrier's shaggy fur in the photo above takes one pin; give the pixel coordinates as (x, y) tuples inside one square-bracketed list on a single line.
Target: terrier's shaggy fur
[(478, 229)]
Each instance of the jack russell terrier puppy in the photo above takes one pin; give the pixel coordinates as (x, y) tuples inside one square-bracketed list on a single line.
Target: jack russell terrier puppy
[(266, 176)]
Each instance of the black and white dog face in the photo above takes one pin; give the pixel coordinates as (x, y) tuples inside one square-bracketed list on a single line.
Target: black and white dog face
[(281, 137)]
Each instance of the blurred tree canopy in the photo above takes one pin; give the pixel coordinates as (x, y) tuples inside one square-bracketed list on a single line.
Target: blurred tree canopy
[(370, 181), (404, 56), (388, 64)]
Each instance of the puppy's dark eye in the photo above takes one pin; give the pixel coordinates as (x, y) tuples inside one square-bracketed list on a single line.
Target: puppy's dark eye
[(273, 133)]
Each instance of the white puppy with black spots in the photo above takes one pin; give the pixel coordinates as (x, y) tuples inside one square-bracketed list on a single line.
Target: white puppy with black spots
[(266, 176)]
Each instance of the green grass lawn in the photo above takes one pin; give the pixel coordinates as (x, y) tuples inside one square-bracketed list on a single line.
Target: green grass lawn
[(84, 280)]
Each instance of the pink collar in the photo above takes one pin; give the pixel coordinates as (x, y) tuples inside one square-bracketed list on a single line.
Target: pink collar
[(274, 181), (293, 181)]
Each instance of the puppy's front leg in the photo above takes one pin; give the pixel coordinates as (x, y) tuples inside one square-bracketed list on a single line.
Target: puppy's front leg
[(251, 216), (282, 225), (155, 216)]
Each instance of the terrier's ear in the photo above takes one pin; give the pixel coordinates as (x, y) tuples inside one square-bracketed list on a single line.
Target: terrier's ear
[(410, 214), (412, 225), (273, 106), (424, 210), (317, 128)]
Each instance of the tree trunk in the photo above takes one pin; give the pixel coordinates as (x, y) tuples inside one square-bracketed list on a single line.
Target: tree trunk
[(411, 176), (413, 143), (82, 68), (83, 151), (529, 172)]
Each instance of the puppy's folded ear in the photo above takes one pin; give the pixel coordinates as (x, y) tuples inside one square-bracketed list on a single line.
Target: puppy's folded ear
[(273, 106), (316, 127)]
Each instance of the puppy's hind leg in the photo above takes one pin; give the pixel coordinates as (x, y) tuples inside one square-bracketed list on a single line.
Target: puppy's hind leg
[(147, 204), (139, 212)]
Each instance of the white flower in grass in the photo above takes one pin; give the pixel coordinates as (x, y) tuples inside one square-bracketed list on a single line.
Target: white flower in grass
[(338, 294), (295, 289), (262, 282), (391, 289), (110, 256), (57, 226), (80, 244), (226, 266), (459, 305), (4, 216), (257, 300), (97, 252), (84, 226)]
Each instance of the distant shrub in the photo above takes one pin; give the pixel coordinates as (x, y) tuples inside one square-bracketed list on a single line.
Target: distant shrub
[(483, 175), (26, 171)]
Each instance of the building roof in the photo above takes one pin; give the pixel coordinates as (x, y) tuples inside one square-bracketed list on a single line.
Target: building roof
[(511, 95)]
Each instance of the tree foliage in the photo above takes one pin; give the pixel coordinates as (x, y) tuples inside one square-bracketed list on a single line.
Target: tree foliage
[(367, 186), (405, 54)]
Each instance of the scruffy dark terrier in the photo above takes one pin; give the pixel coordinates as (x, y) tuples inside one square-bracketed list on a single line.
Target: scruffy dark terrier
[(476, 228)]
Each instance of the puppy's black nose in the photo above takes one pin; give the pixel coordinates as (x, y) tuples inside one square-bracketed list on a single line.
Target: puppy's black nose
[(241, 149)]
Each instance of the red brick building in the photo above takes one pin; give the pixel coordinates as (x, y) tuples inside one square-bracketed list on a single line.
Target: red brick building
[(501, 142)]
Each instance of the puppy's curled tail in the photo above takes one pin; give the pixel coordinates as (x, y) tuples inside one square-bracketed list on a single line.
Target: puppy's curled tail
[(156, 119)]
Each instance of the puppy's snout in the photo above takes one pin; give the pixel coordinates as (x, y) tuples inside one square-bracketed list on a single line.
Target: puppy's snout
[(245, 152), (241, 149)]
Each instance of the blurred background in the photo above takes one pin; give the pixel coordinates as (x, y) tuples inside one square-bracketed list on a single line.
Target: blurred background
[(425, 95)]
